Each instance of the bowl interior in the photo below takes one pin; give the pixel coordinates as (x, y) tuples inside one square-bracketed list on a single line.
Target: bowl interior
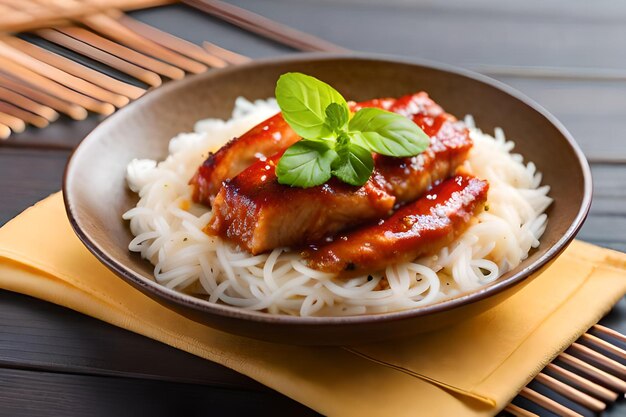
[(96, 193)]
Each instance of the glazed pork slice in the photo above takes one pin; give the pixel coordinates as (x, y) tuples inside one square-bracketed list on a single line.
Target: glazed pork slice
[(256, 212), (417, 229), (450, 144), (408, 178), (263, 140)]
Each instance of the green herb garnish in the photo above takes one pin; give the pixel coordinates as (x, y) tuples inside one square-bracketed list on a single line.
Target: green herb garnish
[(336, 143)]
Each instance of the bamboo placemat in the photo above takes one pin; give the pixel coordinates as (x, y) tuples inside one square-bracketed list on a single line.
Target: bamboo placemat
[(36, 84)]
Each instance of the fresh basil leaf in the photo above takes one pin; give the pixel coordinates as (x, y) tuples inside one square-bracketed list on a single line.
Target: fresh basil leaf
[(354, 164), (303, 101), (387, 133), (305, 164), (337, 117)]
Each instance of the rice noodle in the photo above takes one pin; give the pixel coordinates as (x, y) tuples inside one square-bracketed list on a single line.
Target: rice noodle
[(168, 232)]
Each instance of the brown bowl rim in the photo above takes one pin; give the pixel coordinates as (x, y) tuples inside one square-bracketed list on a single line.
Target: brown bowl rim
[(237, 313)]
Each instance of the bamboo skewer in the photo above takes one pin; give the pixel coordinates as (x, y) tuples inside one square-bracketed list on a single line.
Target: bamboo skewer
[(225, 54), (148, 77), (28, 104), (111, 28), (610, 381), (27, 117), (547, 403), (19, 21), (603, 344), (61, 77), (76, 69), (17, 18), (123, 52), (5, 131), (74, 111), (608, 363), (571, 393), (27, 6), (263, 26), (519, 411), (15, 124), (172, 42), (584, 384), (35, 10), (609, 332), (54, 88)]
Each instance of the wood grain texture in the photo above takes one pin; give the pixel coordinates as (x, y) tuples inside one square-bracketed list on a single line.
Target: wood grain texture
[(27, 393), (465, 33), (36, 334), (27, 176)]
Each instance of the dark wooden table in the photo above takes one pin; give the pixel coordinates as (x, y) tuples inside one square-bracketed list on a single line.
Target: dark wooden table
[(570, 56)]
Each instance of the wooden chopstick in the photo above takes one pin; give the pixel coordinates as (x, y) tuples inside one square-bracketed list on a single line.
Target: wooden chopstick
[(52, 87), (603, 344), (111, 28), (570, 392), (263, 26), (26, 6), (74, 111), (60, 76), (15, 124), (609, 332), (5, 131), (225, 54), (613, 366), (148, 77), (584, 384), (606, 379), (547, 403), (172, 42), (18, 21), (27, 104), (27, 117), (35, 10), (123, 52), (519, 411), (76, 69)]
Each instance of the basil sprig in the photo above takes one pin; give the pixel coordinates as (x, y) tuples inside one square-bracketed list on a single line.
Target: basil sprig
[(334, 143)]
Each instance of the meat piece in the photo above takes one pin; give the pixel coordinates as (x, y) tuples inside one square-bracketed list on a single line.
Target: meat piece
[(419, 228), (255, 211), (263, 140), (259, 214), (408, 178)]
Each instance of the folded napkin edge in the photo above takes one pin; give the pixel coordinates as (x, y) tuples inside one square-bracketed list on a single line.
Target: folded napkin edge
[(487, 400), (122, 309), (68, 296)]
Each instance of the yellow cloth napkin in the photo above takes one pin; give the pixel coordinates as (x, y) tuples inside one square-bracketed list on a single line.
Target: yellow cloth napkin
[(472, 369)]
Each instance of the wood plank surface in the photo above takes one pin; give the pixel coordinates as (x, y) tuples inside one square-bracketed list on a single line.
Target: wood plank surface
[(562, 34), (27, 176), (37, 335), (79, 395)]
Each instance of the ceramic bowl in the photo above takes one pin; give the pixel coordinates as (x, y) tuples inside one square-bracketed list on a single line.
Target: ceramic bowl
[(96, 194)]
